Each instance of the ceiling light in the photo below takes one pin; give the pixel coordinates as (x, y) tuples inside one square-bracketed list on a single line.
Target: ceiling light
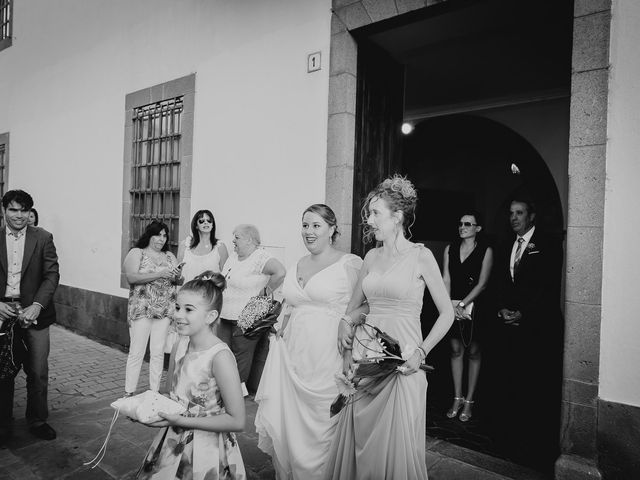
[(406, 128)]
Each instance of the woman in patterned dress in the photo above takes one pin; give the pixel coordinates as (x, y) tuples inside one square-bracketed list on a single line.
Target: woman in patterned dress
[(152, 272)]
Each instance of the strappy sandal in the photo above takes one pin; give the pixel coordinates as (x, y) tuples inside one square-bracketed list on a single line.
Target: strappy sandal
[(465, 417), (458, 402)]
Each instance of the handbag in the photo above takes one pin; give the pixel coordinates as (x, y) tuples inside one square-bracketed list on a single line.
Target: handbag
[(468, 310), (258, 309)]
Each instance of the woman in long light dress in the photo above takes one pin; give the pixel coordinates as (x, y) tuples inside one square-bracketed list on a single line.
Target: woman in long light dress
[(298, 382), (381, 435)]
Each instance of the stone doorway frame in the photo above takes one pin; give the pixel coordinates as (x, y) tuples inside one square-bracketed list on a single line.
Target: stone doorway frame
[(585, 216)]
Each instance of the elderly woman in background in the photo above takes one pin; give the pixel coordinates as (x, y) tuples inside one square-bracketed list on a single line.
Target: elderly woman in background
[(251, 271), (202, 251), (152, 272)]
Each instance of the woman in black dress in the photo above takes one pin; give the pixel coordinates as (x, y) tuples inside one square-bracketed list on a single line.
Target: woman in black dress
[(466, 270)]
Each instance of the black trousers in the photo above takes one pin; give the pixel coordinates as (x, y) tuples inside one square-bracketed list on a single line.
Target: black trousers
[(528, 403), (244, 350)]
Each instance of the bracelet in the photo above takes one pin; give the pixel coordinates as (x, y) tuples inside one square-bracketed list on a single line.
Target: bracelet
[(348, 320), (423, 354)]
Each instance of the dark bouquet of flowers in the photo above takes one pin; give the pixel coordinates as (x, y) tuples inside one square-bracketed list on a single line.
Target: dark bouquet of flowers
[(380, 357), (12, 349)]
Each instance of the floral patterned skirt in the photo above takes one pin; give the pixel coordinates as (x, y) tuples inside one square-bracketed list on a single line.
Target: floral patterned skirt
[(193, 454)]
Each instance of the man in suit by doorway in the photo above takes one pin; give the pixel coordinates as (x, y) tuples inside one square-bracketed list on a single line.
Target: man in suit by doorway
[(28, 279), (528, 273)]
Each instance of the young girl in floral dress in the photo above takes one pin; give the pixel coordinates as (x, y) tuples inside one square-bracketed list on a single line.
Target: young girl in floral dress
[(203, 377)]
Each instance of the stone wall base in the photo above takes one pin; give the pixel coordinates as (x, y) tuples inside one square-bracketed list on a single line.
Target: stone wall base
[(96, 315), (618, 440), (570, 467)]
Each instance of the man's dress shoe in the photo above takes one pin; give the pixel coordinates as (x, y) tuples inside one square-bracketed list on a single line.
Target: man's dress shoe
[(44, 431)]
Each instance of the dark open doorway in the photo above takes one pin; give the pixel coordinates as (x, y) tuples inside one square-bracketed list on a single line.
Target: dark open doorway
[(461, 163), (481, 81)]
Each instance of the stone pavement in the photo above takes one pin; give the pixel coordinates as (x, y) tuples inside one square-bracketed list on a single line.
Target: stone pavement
[(86, 376)]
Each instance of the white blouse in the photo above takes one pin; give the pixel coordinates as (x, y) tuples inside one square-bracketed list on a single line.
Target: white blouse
[(244, 280), (197, 264)]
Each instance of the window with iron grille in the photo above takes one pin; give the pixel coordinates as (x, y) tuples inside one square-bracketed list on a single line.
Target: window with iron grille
[(4, 161), (155, 174), (6, 21), (158, 154)]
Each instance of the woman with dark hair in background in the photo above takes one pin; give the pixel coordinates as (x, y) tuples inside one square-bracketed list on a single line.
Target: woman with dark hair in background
[(298, 385), (152, 272), (466, 270), (32, 219), (202, 251)]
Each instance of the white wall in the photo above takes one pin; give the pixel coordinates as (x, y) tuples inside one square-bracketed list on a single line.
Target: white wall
[(260, 118), (620, 335)]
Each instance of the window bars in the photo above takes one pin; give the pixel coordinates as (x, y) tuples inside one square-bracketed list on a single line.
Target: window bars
[(6, 10), (155, 176), (3, 164)]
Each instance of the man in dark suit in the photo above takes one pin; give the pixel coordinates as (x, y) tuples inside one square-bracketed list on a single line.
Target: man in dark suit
[(28, 279), (528, 275)]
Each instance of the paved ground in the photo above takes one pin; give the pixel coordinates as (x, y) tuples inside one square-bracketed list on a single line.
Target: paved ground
[(85, 377)]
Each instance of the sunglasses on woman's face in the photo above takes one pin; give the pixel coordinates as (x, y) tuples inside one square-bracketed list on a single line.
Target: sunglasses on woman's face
[(203, 220), (467, 224)]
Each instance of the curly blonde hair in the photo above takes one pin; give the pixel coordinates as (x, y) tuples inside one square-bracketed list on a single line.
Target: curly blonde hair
[(400, 195)]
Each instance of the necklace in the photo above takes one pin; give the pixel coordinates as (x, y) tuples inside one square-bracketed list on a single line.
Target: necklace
[(205, 241)]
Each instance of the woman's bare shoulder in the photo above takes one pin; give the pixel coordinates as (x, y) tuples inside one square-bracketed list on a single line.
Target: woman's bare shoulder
[(135, 252), (424, 253)]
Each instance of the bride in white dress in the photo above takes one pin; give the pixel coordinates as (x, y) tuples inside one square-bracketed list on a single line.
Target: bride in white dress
[(298, 384)]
